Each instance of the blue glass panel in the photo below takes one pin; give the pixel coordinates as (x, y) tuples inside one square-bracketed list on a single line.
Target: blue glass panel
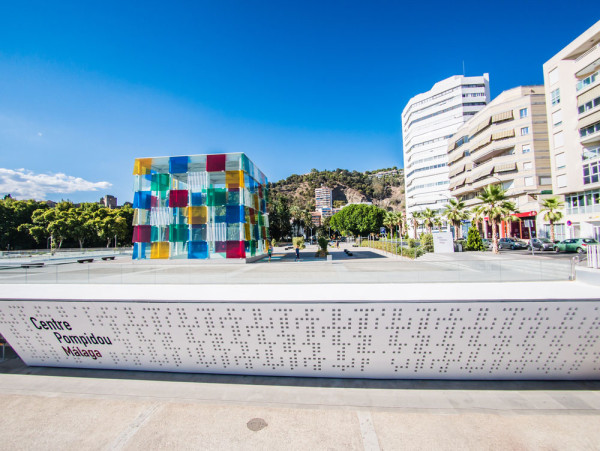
[(198, 199), (142, 199), (178, 165), (235, 214), (197, 249)]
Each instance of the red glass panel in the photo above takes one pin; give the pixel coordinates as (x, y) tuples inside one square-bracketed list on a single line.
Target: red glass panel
[(215, 163)]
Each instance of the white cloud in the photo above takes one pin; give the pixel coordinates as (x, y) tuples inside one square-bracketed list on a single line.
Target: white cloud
[(24, 184)]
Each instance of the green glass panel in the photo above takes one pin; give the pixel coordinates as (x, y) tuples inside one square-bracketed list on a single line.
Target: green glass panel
[(178, 233), (158, 233), (216, 197), (160, 182)]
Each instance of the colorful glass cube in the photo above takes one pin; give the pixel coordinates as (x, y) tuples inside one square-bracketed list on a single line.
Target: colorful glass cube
[(199, 207)]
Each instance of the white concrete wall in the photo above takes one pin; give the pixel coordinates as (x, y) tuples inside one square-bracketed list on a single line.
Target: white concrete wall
[(395, 339)]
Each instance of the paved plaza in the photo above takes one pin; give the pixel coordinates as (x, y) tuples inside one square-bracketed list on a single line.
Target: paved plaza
[(54, 408), (364, 266)]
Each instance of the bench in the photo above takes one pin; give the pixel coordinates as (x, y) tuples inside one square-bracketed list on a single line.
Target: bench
[(108, 258), (85, 260), (32, 265)]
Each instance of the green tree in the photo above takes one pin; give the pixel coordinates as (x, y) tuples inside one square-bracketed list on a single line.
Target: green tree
[(474, 241), (455, 212), (358, 219), (80, 222), (14, 215), (552, 207), (109, 224), (497, 208), (427, 242), (279, 217)]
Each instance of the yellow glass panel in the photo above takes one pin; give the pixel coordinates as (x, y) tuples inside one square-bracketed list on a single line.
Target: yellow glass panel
[(142, 166), (197, 215), (234, 179), (159, 249)]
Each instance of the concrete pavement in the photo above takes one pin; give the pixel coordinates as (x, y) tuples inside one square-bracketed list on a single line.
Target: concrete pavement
[(54, 408)]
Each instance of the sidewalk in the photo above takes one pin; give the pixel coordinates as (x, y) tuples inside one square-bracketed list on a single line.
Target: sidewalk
[(55, 408)]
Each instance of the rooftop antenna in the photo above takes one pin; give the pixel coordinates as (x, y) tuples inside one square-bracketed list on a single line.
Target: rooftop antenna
[(464, 68)]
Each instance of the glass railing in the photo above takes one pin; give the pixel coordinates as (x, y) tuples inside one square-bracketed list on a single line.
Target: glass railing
[(363, 266)]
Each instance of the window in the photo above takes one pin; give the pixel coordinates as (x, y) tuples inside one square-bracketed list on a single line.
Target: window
[(544, 180), (560, 161), (527, 166), (557, 118), (561, 181), (525, 131), (526, 148), (523, 112), (589, 105), (553, 76), (528, 181), (555, 97), (586, 81), (583, 132), (508, 185), (590, 172), (590, 153), (559, 139)]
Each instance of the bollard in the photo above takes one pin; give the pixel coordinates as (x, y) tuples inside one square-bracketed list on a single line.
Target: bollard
[(574, 262)]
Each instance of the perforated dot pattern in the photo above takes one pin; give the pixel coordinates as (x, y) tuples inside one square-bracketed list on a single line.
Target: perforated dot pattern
[(493, 340)]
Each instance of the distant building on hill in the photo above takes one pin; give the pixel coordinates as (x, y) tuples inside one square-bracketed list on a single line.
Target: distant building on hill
[(109, 201), (323, 201)]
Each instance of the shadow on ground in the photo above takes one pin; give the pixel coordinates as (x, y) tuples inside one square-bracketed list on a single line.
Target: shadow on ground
[(14, 365)]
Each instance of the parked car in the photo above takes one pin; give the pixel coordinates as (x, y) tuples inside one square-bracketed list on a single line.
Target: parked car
[(487, 243), (541, 244), (511, 243), (578, 245)]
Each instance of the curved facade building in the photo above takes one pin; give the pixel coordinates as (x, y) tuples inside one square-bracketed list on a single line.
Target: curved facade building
[(428, 122)]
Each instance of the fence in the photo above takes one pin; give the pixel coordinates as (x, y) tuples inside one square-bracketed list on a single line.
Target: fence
[(593, 256)]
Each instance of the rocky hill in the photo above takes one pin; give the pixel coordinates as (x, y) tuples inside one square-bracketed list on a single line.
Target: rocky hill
[(383, 187)]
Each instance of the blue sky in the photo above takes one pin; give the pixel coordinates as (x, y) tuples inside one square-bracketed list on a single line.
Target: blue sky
[(87, 87)]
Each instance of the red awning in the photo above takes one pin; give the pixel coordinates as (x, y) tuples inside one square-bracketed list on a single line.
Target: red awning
[(526, 214), (520, 215)]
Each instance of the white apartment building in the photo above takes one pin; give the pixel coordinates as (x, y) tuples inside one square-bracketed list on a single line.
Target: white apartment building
[(572, 84), (428, 121)]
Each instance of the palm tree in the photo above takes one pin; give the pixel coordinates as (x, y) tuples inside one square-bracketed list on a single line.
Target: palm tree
[(399, 222), (415, 216), (497, 208), (550, 206), (455, 212), (428, 215), (438, 223), (389, 221)]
